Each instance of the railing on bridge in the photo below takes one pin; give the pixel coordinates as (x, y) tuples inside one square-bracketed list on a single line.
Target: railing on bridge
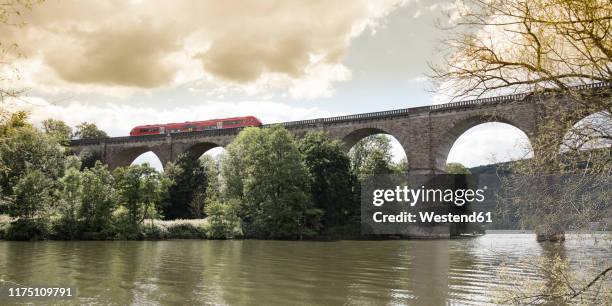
[(338, 119)]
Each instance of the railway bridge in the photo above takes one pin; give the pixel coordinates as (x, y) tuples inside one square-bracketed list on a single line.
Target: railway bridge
[(426, 133)]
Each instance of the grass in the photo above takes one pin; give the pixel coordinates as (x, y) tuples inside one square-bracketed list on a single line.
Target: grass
[(174, 229)]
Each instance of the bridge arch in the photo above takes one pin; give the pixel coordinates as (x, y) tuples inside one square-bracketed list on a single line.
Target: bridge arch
[(590, 131), (127, 156), (450, 137), (196, 150), (151, 159), (353, 137), (399, 156)]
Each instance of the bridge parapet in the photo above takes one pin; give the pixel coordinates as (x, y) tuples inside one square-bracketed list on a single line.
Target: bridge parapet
[(403, 112)]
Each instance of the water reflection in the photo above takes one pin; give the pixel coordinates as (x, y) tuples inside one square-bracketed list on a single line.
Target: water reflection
[(417, 272)]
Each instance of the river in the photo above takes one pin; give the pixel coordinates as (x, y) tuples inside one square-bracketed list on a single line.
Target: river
[(253, 272)]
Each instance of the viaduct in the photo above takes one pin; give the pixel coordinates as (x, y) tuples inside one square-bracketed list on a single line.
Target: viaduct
[(426, 133)]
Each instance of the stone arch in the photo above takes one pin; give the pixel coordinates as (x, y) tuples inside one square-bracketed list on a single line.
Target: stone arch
[(452, 134), (597, 122), (126, 156), (353, 137), (397, 144), (196, 150)]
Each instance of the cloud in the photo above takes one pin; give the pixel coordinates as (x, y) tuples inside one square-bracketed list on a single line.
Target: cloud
[(94, 46)]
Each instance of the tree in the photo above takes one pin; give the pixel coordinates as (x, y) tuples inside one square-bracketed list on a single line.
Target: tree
[(32, 195), (548, 46), (11, 122), (139, 189), (332, 181), (88, 130), (371, 155), (189, 178), (544, 46), (11, 12), (95, 212), (456, 168), (59, 130), (275, 200), (25, 150), (222, 220), (69, 194), (401, 166)]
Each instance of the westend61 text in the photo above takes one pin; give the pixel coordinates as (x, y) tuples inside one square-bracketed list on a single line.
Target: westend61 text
[(429, 217)]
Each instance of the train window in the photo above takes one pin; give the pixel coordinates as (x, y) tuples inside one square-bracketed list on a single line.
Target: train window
[(149, 130), (210, 127), (232, 122)]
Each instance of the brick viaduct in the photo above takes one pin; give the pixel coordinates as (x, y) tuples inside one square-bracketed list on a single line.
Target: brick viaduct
[(426, 133)]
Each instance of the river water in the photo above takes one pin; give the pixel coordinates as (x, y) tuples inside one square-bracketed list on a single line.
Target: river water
[(252, 272)]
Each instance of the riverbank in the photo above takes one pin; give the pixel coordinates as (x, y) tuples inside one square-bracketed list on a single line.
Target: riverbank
[(10, 229)]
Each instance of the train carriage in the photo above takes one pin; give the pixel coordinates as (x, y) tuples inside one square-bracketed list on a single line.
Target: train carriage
[(194, 126)]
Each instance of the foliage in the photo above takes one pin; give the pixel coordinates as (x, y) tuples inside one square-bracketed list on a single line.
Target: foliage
[(275, 199), (88, 130), (553, 45), (332, 181), (139, 188), (27, 229), (58, 130), (545, 47), (97, 202), (11, 122), (456, 168), (26, 150), (222, 220), (32, 195), (89, 158), (174, 229), (188, 191), (370, 155), (560, 284), (69, 196)]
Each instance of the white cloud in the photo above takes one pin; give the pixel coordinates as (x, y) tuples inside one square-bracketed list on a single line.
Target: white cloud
[(111, 48)]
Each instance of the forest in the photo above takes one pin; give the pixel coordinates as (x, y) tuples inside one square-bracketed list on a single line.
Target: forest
[(268, 184)]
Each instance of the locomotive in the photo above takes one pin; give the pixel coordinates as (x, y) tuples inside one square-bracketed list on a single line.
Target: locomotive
[(193, 126)]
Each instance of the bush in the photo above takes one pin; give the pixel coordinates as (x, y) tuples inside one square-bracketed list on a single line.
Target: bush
[(223, 223), (27, 229), (174, 229)]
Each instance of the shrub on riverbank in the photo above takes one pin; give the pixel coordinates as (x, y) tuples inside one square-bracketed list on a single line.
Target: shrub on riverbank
[(174, 229)]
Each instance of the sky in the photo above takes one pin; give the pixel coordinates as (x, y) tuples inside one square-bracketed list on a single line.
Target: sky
[(125, 63)]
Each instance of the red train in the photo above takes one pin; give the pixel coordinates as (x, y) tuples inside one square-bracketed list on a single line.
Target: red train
[(193, 126)]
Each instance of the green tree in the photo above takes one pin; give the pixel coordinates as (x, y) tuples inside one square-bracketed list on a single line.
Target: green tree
[(332, 181), (88, 130), (32, 195), (25, 150), (372, 155), (188, 192), (377, 163), (11, 122), (97, 202), (401, 166), (59, 130), (456, 168), (139, 189), (275, 200), (70, 195), (222, 220)]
